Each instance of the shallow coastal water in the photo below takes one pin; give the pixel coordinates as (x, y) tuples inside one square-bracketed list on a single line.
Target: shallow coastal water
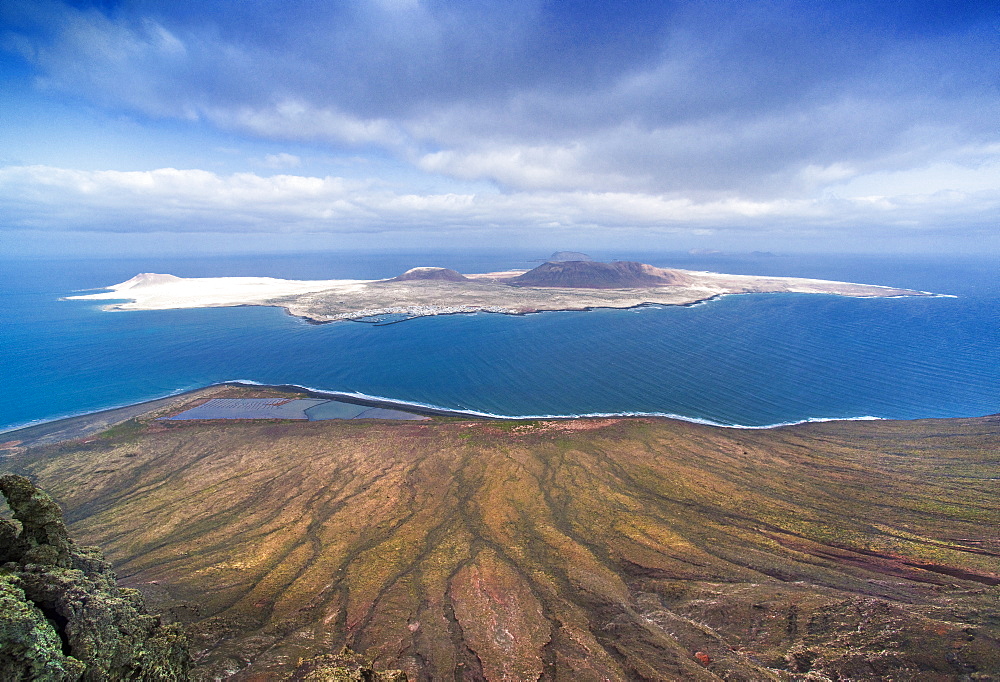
[(747, 360)]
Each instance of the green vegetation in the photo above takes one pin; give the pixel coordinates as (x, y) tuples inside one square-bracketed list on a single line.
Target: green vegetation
[(124, 432), (604, 548), (346, 666), (62, 615)]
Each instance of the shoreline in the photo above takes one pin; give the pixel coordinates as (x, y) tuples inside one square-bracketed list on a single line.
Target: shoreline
[(513, 313), (59, 429), (323, 301), (313, 302), (62, 429), (444, 311)]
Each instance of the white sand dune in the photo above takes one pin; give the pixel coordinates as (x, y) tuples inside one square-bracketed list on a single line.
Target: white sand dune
[(153, 291)]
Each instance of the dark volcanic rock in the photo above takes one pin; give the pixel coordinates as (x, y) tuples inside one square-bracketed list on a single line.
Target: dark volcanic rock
[(62, 615), (594, 275), (437, 274)]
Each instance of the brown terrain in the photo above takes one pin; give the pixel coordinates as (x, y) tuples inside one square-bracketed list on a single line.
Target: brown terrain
[(563, 285), (586, 550), (436, 274), (554, 285), (594, 275)]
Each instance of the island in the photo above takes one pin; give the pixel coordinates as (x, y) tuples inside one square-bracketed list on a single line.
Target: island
[(422, 291)]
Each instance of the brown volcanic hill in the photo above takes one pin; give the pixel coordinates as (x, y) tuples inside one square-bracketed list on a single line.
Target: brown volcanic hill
[(595, 275), (437, 274), (592, 549)]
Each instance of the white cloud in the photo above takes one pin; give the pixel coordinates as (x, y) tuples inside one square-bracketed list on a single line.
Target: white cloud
[(168, 199), (815, 175), (929, 180), (708, 106), (523, 167), (297, 120), (42, 197), (113, 61), (704, 117), (282, 160)]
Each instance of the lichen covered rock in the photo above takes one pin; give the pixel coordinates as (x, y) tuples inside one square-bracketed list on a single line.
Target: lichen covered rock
[(30, 647), (347, 666), (62, 614)]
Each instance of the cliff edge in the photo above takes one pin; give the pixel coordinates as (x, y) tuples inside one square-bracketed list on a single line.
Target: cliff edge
[(62, 614)]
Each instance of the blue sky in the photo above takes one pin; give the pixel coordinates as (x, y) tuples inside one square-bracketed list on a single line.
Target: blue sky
[(143, 126)]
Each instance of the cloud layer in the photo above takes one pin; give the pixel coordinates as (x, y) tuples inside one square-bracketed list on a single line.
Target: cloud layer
[(729, 115), (169, 199)]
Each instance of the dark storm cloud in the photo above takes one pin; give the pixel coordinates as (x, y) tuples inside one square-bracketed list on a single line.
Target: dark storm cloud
[(673, 111), (533, 70)]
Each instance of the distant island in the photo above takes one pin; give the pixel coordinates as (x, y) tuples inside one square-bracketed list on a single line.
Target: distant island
[(553, 285), (560, 256)]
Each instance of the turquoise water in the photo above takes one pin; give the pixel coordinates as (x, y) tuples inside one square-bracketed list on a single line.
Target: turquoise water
[(742, 360)]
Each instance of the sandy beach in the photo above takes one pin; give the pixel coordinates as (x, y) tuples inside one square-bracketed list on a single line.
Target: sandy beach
[(151, 291), (332, 300)]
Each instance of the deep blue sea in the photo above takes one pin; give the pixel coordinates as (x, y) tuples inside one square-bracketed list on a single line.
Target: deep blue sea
[(749, 360)]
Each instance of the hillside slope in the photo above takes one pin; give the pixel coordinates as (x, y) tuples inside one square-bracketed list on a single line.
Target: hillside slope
[(62, 615), (594, 275), (592, 549), (434, 274)]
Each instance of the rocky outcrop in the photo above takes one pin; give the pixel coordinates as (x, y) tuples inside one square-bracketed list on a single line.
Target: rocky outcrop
[(347, 666), (62, 615), (594, 275)]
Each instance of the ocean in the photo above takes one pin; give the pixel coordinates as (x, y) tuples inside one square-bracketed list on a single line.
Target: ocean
[(749, 360)]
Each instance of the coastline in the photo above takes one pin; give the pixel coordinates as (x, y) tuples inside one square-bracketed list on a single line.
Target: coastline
[(583, 309), (82, 425), (289, 308), (322, 301), (71, 427)]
